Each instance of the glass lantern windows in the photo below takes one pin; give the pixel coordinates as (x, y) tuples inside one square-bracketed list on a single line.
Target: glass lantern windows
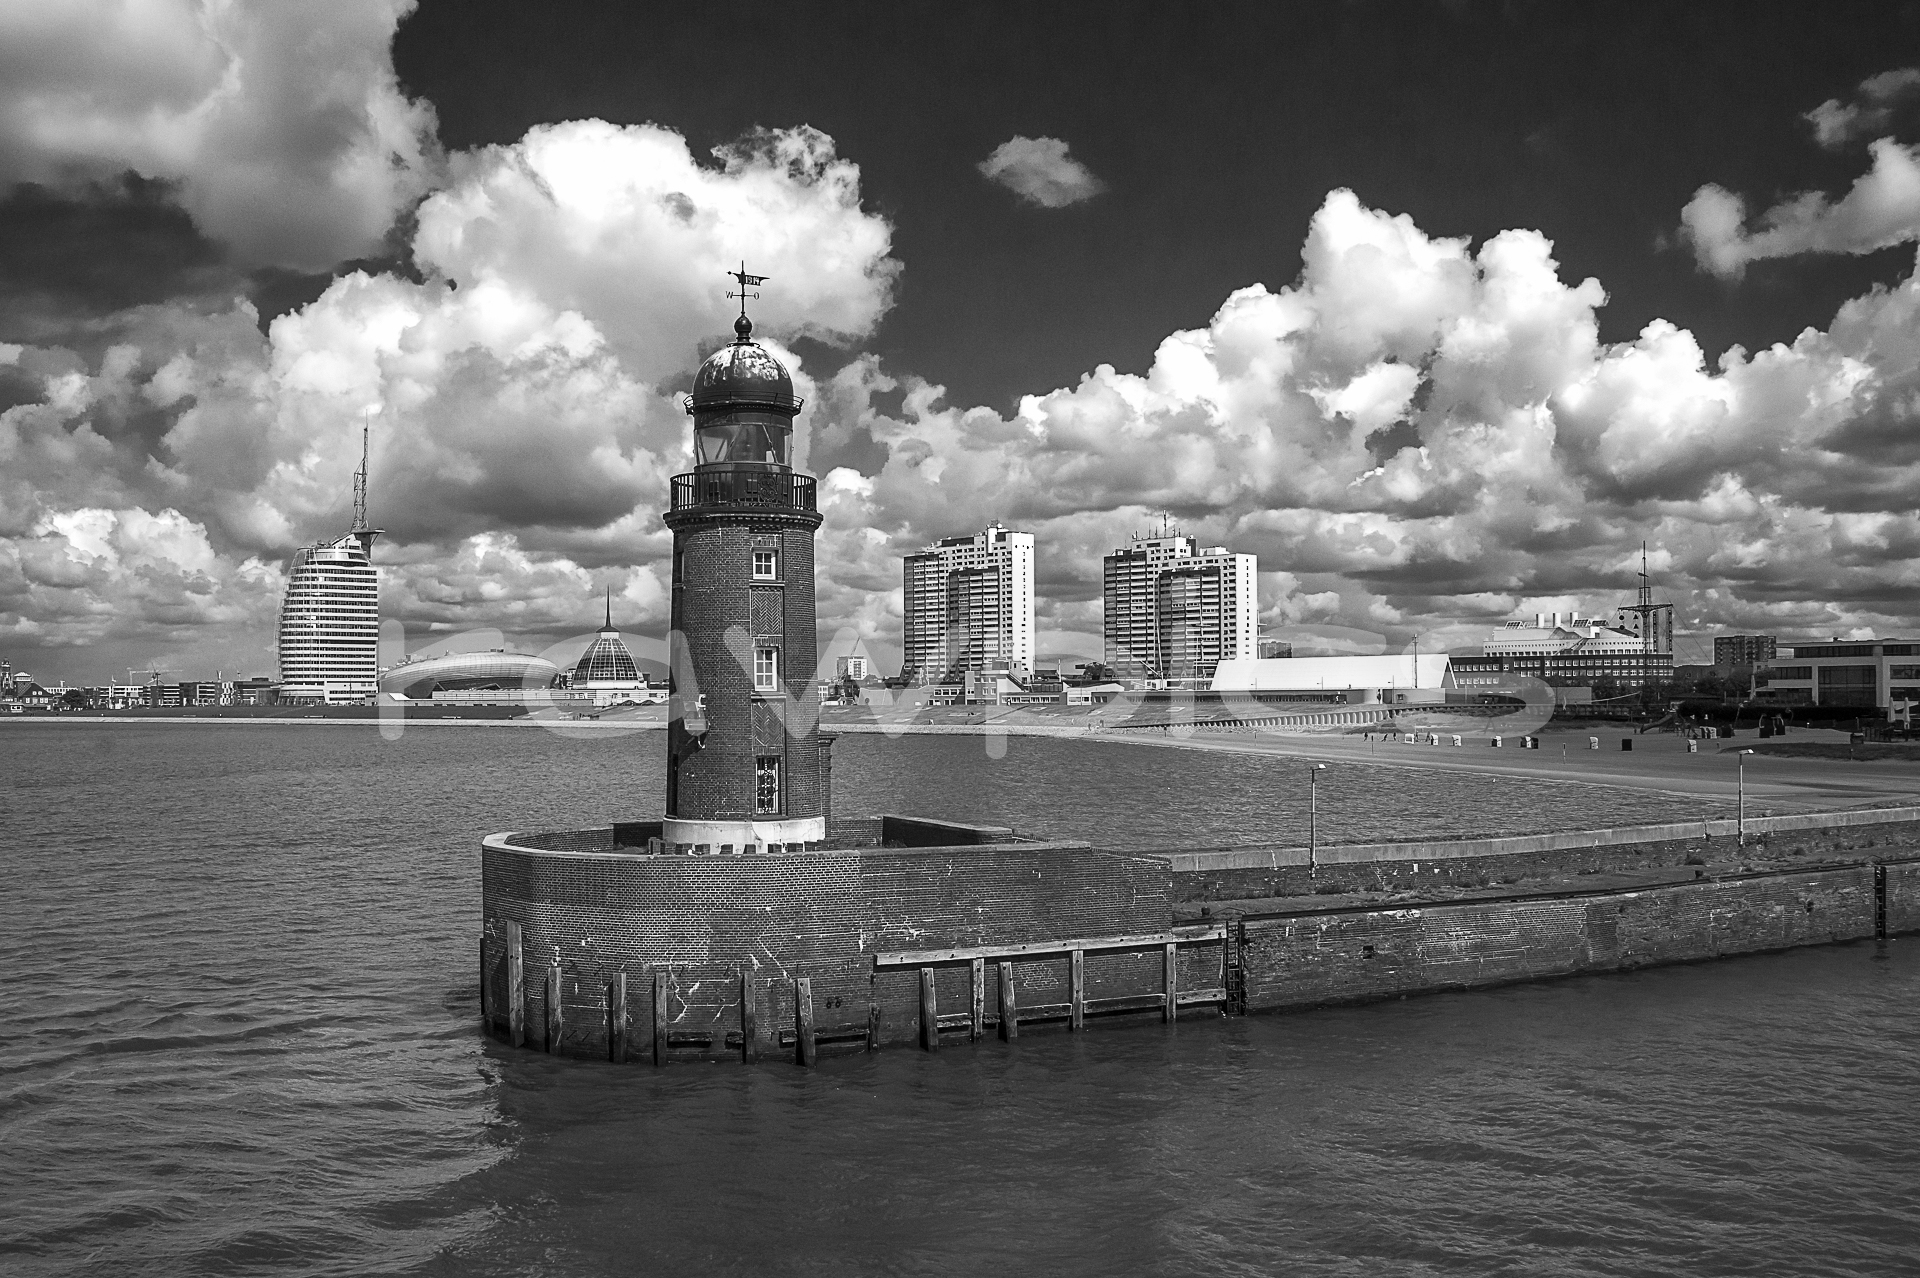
[(742, 437)]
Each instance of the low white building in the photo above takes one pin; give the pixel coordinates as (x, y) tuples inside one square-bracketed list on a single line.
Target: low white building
[(1383, 676)]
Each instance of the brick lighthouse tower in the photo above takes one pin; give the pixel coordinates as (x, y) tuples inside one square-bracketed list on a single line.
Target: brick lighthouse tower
[(744, 766)]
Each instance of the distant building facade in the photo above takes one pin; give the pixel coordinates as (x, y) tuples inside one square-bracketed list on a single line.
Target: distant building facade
[(1743, 650), (968, 605), (1868, 673), (1175, 611), (1565, 651)]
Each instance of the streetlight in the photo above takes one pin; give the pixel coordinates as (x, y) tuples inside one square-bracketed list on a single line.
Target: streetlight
[(1741, 837), (1313, 813)]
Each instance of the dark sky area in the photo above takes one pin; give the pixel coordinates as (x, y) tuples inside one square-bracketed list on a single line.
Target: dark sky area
[(1219, 131)]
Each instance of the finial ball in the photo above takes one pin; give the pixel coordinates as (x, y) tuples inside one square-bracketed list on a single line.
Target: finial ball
[(743, 327)]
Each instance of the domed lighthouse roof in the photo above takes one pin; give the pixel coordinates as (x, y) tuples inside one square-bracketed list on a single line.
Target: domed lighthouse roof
[(742, 373)]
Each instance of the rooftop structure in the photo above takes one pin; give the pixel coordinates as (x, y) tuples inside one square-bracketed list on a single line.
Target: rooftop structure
[(468, 671)]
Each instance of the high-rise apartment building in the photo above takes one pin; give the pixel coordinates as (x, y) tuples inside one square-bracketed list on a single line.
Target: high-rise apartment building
[(968, 604), (1175, 610), (1743, 650), (330, 616)]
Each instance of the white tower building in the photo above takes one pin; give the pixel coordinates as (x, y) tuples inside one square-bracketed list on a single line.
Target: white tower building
[(968, 604), (1174, 610), (330, 616)]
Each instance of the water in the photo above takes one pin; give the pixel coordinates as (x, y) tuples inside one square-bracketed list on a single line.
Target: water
[(242, 1039)]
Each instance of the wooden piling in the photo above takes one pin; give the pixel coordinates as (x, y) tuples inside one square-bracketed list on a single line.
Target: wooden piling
[(929, 1012), (1078, 979), (659, 1018), (979, 999), (1009, 1013), (556, 1011), (749, 1046), (516, 989), (486, 1016), (1170, 983), (617, 1018), (804, 1050), (873, 1027)]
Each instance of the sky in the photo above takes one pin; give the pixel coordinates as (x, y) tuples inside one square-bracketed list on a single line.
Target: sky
[(1441, 310)]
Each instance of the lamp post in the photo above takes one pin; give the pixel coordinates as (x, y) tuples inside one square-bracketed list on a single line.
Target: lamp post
[(1313, 814), (1741, 839)]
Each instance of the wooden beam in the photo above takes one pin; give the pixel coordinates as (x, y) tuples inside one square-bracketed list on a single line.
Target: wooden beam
[(929, 1011), (516, 989), (1038, 949), (659, 1017), (486, 1017), (978, 1003), (1077, 989), (749, 1048), (1170, 983), (1009, 1013), (556, 1011), (1203, 996), (806, 1051), (873, 1027), (617, 1018)]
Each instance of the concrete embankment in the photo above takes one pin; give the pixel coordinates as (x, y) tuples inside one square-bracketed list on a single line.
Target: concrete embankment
[(1306, 958)]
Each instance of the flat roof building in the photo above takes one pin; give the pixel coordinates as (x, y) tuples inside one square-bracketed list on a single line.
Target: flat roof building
[(1173, 610), (1743, 650), (967, 604), (1865, 673)]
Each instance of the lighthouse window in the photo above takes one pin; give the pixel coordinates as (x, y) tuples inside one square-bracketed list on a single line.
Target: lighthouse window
[(766, 669), (765, 565), (766, 789)]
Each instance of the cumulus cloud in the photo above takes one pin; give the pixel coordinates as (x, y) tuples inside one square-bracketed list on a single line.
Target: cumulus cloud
[(520, 397), (1836, 123), (622, 225), (1882, 210), (283, 124), (1419, 435), (1040, 171)]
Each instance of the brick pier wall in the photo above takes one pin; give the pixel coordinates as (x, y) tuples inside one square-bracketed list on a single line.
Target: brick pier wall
[(704, 921)]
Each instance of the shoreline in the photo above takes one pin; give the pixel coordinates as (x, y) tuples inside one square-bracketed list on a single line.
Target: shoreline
[(1658, 762)]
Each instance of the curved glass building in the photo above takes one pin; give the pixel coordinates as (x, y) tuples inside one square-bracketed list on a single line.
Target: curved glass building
[(469, 671), (330, 622)]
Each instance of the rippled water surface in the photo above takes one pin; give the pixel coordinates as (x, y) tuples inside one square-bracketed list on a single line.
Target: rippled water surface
[(242, 1039)]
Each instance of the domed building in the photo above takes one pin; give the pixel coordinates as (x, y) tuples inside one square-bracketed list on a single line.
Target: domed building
[(608, 673)]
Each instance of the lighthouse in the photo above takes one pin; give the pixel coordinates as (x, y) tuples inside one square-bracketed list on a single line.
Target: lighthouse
[(745, 772)]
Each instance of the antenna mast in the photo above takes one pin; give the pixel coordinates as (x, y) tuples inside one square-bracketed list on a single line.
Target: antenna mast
[(360, 483)]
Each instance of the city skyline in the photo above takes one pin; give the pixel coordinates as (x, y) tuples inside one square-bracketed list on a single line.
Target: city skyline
[(1426, 401)]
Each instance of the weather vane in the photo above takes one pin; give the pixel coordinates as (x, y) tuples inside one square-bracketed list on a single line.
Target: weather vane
[(746, 282)]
